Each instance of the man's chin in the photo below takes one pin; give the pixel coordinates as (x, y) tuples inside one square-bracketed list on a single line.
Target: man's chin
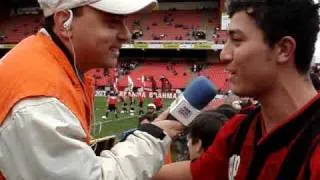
[(239, 92), (110, 63), (242, 94)]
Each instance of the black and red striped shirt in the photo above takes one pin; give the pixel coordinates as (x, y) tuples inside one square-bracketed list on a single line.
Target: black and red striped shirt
[(214, 163)]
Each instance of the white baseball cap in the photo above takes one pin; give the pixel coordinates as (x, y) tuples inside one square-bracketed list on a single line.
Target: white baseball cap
[(151, 105), (120, 7)]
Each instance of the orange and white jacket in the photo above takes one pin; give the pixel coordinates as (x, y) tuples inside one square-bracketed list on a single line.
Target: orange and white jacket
[(45, 119)]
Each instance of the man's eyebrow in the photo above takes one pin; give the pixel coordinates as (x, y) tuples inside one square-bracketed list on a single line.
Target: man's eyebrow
[(231, 32)]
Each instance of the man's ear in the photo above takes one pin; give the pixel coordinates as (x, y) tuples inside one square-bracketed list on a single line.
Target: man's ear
[(285, 49), (61, 19)]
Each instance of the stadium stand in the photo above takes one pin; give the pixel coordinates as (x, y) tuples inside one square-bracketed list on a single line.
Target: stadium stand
[(218, 75), (164, 25), (160, 25), (172, 25), (219, 37), (179, 76), (18, 27), (157, 70)]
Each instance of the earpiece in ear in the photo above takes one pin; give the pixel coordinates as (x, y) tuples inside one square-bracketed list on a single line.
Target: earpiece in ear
[(68, 22)]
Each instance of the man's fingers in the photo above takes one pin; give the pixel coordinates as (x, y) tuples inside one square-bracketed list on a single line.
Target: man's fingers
[(163, 115), (177, 126)]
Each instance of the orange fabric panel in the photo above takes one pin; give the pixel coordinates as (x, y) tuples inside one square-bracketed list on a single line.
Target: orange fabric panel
[(36, 67), (168, 158)]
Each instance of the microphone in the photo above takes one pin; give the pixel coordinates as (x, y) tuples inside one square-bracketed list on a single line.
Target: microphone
[(195, 97)]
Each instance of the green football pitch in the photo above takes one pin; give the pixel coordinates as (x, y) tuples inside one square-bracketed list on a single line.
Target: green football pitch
[(111, 125)]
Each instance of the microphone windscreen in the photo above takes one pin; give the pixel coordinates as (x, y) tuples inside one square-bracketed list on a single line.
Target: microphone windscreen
[(196, 96), (200, 92)]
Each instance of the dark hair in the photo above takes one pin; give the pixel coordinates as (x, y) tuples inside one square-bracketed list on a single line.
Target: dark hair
[(278, 18), (49, 21), (205, 127), (149, 116), (226, 109)]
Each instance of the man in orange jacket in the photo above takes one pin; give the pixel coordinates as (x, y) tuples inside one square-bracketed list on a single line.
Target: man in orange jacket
[(46, 112)]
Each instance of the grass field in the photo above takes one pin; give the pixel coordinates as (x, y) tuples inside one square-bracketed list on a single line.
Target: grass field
[(112, 126)]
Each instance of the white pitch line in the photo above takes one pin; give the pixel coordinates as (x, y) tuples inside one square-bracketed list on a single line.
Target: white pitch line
[(105, 122)]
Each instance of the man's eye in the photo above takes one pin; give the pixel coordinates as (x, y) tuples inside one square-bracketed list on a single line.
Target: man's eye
[(236, 39)]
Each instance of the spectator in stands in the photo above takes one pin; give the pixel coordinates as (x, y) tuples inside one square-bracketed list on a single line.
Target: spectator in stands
[(269, 51), (2, 36), (174, 71), (135, 35), (165, 19), (202, 131), (194, 68), (162, 36), (169, 66), (46, 113), (133, 65)]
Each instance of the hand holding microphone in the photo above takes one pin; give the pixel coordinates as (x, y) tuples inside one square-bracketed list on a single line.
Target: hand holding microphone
[(195, 97), (187, 106), (172, 128)]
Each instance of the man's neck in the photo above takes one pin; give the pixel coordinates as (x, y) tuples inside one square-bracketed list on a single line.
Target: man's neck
[(285, 100), (65, 50)]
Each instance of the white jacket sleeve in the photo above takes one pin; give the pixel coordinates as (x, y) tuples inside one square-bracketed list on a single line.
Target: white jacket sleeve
[(42, 139)]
